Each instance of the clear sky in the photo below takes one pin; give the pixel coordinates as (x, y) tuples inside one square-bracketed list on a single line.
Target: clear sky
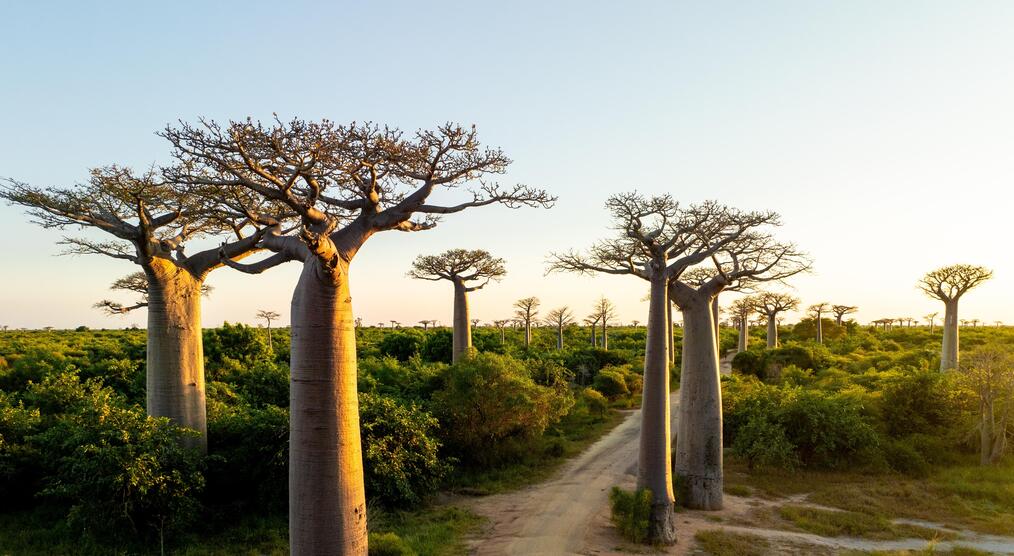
[(883, 132)]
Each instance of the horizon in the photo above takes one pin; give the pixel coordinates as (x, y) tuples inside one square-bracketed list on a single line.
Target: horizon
[(880, 133)]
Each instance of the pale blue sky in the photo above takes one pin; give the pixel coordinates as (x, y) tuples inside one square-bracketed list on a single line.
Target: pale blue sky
[(882, 131)]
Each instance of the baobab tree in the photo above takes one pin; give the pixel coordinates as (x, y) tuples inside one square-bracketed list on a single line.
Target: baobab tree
[(593, 322), (817, 312), (151, 220), (840, 311), (741, 310), (345, 183), (425, 324), (268, 316), (461, 267), (948, 284), (634, 323), (989, 374), (658, 241), (502, 325), (560, 318), (605, 310), (771, 304), (525, 311)]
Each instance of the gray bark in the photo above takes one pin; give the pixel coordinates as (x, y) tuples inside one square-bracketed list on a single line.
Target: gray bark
[(327, 502), (605, 335), (462, 337), (698, 463), (654, 456), (175, 355), (820, 329), (559, 336), (772, 332), (671, 338), (949, 348), (714, 320), (744, 335), (528, 333)]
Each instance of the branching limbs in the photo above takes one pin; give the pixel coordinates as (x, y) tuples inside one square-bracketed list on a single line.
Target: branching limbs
[(949, 283), (459, 266)]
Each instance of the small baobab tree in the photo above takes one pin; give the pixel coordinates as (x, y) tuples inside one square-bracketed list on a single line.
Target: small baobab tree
[(525, 312), (634, 323), (151, 220), (741, 310), (268, 316), (840, 311), (501, 324), (605, 310), (593, 323), (771, 304), (461, 267), (988, 372), (948, 284), (560, 318), (425, 324), (345, 183), (817, 312)]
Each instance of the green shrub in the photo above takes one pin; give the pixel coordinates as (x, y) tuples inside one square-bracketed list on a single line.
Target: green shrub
[(389, 544), (402, 345), (249, 459), (631, 513), (763, 442), (750, 362), (438, 346), (595, 401), (612, 383)]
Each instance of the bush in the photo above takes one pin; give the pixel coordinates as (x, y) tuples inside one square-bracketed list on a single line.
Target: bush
[(400, 451), (595, 401), (490, 398), (749, 363), (249, 459), (611, 383), (631, 513), (763, 442), (917, 401), (402, 345), (438, 346), (389, 544)]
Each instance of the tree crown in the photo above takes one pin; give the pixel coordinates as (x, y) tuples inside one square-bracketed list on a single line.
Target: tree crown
[(949, 283), (459, 265)]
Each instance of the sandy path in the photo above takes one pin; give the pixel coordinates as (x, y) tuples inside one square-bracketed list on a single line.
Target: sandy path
[(555, 517)]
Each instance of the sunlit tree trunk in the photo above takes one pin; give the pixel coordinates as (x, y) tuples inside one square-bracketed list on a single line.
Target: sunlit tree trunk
[(949, 349), (654, 457), (820, 329), (772, 332), (528, 333), (462, 339), (671, 332), (327, 502), (559, 336), (714, 321), (175, 358), (605, 335), (744, 335), (698, 463)]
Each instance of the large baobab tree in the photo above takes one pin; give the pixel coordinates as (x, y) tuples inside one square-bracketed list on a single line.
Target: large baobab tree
[(741, 310), (151, 221), (817, 312), (560, 318), (658, 241), (460, 267), (525, 311), (948, 284), (771, 304), (268, 316), (345, 183), (605, 311), (840, 311), (989, 374)]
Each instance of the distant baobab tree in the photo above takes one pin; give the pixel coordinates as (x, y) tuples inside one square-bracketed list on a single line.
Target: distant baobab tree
[(930, 319), (501, 324), (461, 267), (152, 219), (817, 312), (949, 284), (475, 323), (560, 318), (634, 323), (840, 311), (345, 183), (989, 374), (268, 316), (997, 323), (593, 322), (741, 310), (975, 323), (771, 304), (395, 324), (425, 324), (526, 310), (358, 322), (605, 311)]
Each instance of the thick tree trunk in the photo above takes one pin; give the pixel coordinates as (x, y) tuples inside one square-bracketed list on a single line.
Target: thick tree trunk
[(744, 335), (654, 455), (559, 336), (949, 348), (593, 327), (175, 358), (528, 333), (462, 338), (271, 345), (714, 321), (671, 333), (698, 464), (820, 329), (772, 332), (605, 336), (837, 319), (327, 502)]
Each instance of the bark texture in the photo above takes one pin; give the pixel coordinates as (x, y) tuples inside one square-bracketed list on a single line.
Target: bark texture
[(698, 462), (744, 336), (654, 458), (772, 332), (462, 339), (949, 348), (327, 501), (175, 357)]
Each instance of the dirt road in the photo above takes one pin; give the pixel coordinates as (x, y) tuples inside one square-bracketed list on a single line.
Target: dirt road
[(556, 517)]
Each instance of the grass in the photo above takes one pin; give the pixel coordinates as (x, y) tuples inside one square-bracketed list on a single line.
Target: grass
[(436, 531), (964, 496), (719, 542), (830, 523), (565, 440)]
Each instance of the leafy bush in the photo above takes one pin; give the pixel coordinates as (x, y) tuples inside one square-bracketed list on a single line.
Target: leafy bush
[(750, 362), (595, 401), (400, 451), (389, 544), (402, 345), (249, 459), (611, 383), (631, 513), (438, 346)]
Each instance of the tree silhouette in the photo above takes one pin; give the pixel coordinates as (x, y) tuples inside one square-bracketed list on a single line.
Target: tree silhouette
[(268, 316), (560, 318), (771, 304), (949, 284), (525, 311)]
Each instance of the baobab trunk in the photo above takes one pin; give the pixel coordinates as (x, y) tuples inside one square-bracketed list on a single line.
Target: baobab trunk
[(671, 333), (327, 502), (593, 327), (949, 349), (462, 338), (605, 336), (528, 333), (986, 434), (698, 464), (714, 320), (559, 337), (175, 359), (820, 330), (654, 457), (772, 332), (744, 335)]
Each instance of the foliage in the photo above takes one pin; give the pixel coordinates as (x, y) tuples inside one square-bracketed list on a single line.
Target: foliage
[(631, 512), (402, 345)]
